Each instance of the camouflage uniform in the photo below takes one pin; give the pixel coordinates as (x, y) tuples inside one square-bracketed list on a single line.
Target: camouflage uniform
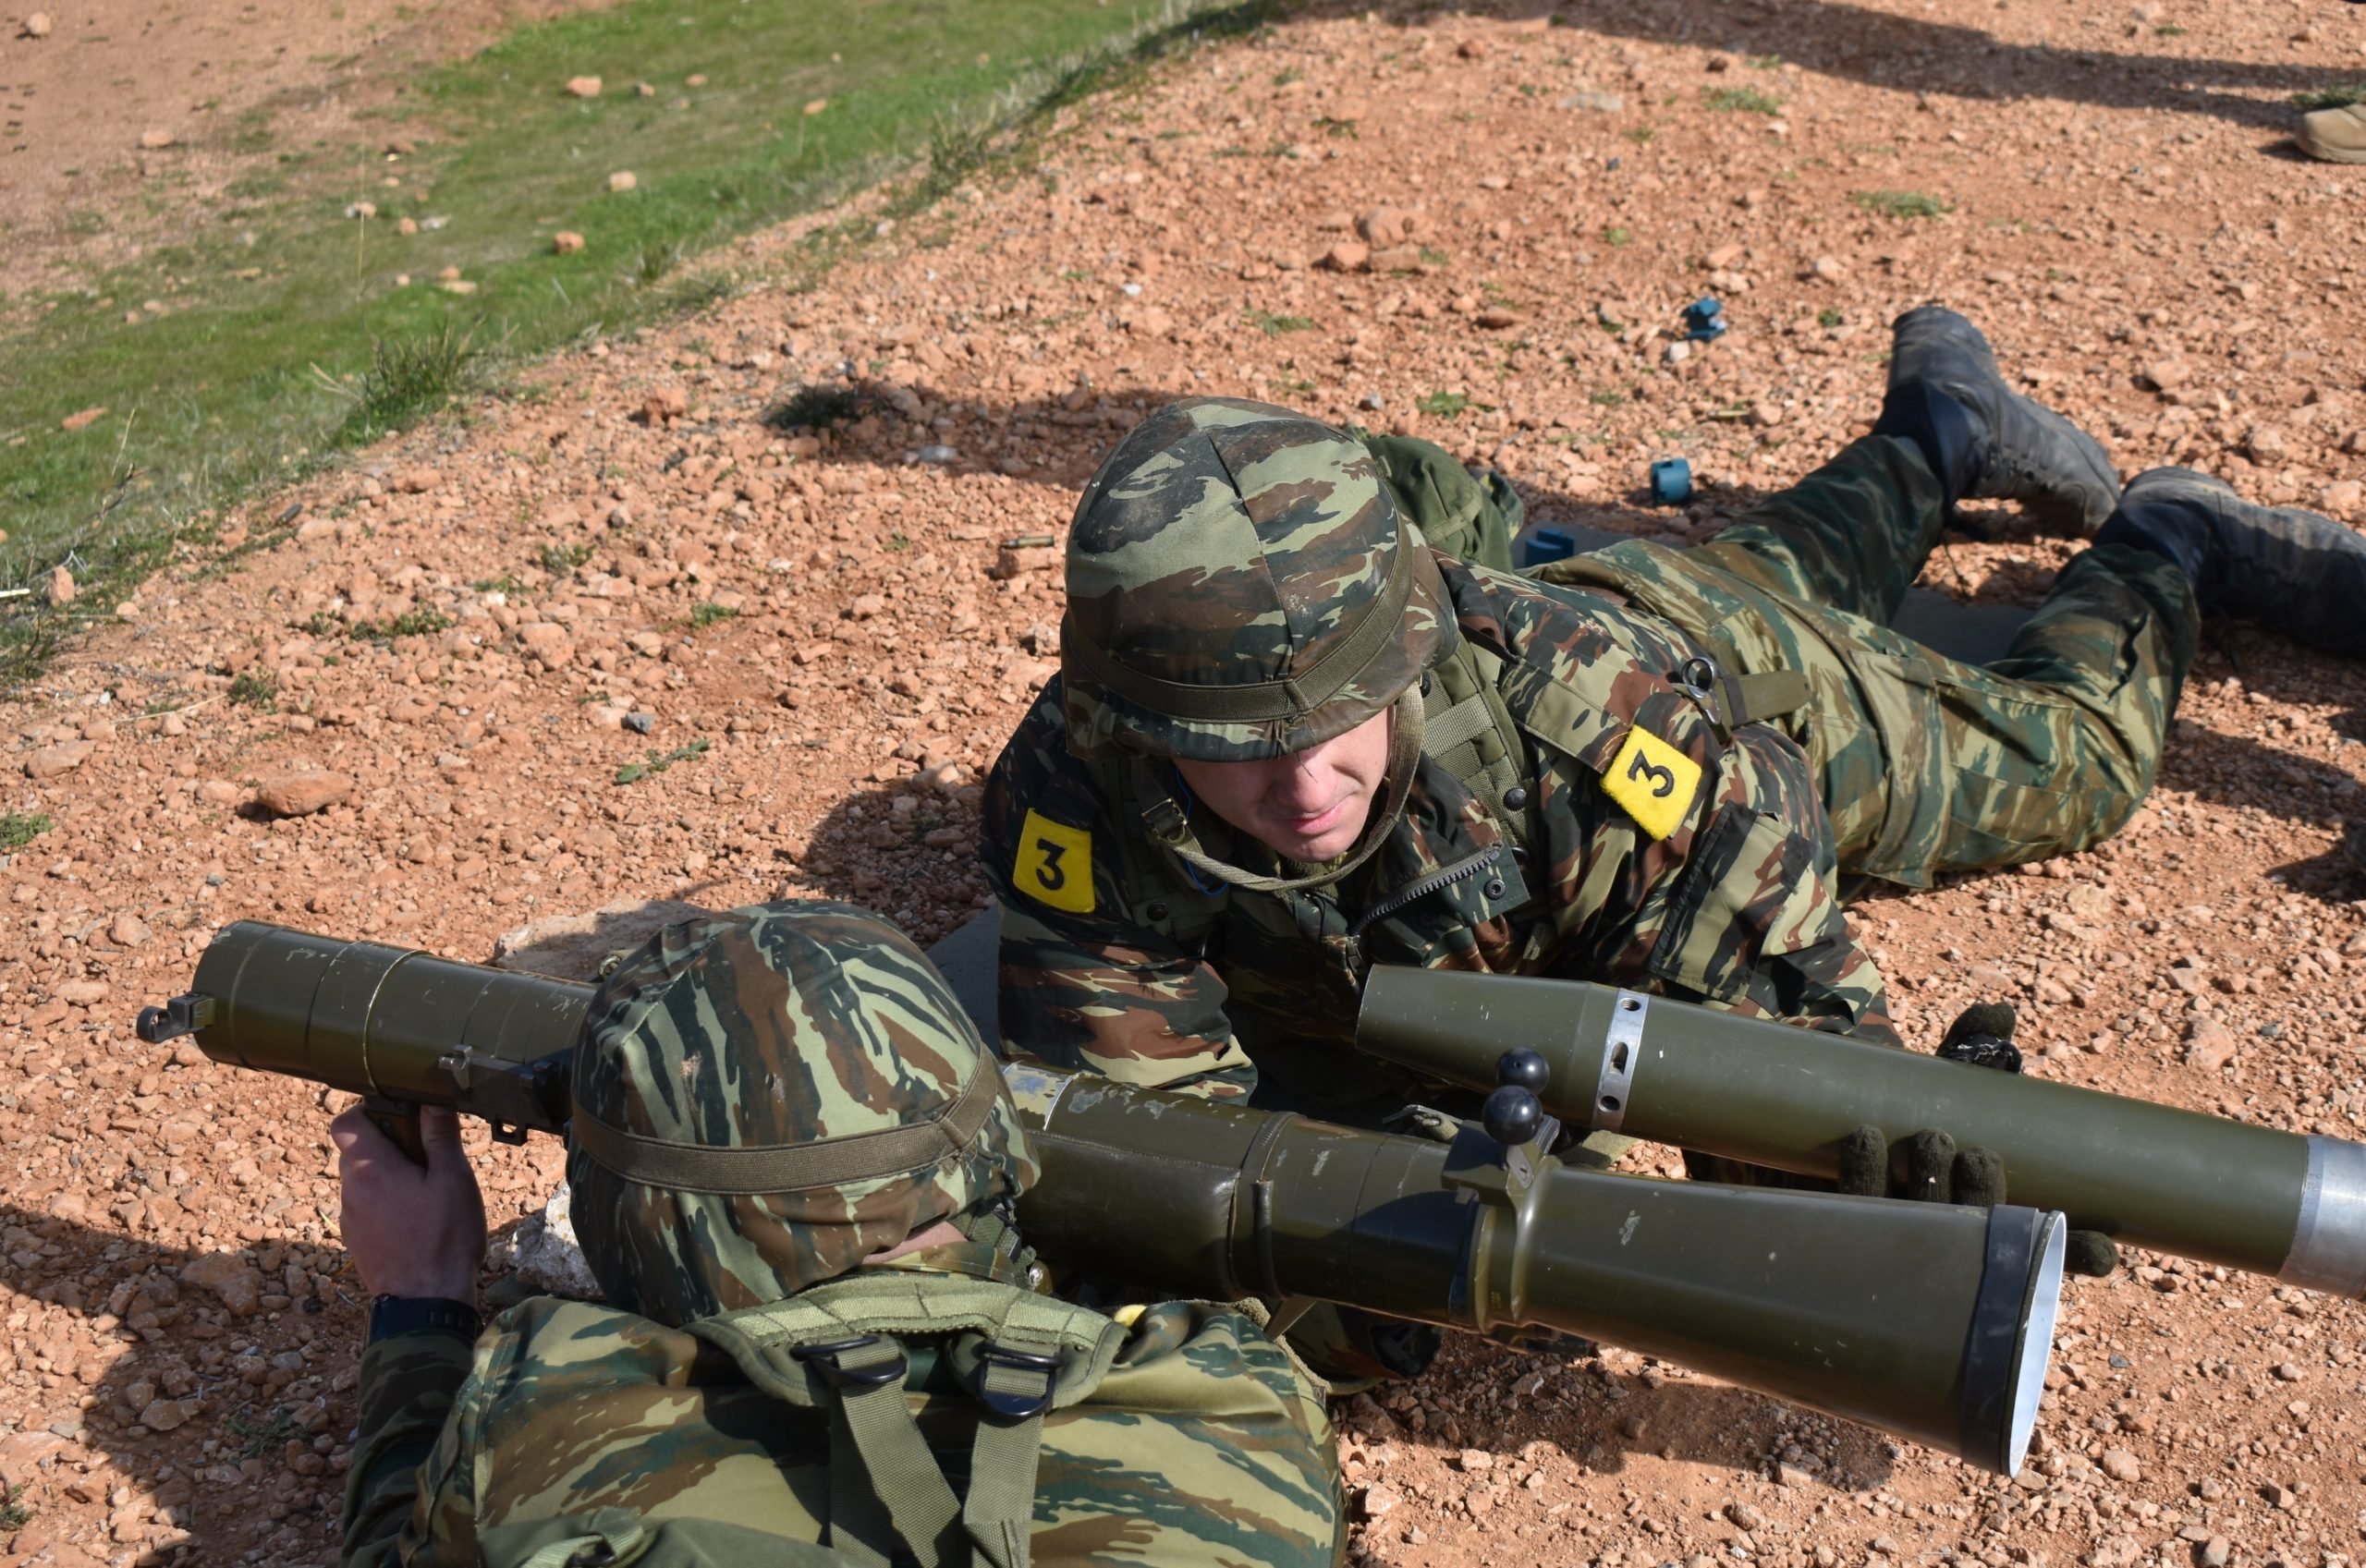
[(763, 1101), (1666, 848)]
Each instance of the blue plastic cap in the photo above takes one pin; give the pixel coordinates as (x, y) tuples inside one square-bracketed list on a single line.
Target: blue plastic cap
[(1671, 481), (1546, 544)]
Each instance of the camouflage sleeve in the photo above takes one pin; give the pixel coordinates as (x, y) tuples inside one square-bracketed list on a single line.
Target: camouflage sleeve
[(1678, 860), (1753, 921), (1086, 982), (408, 1385)]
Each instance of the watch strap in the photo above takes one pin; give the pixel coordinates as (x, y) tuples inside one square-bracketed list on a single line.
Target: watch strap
[(394, 1315)]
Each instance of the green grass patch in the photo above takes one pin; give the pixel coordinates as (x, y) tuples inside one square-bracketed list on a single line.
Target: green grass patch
[(1828, 317), (1639, 135), (410, 622), (14, 1515), (1330, 126), (1899, 203), (658, 761), (558, 560), (1617, 236), (1606, 399), (1742, 100), (255, 689), (20, 829), (1449, 405), (1763, 62), (2340, 97), (704, 615), (286, 336), (1272, 325)]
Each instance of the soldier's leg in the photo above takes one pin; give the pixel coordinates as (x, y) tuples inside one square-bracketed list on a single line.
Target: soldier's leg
[(1852, 536), (2050, 749)]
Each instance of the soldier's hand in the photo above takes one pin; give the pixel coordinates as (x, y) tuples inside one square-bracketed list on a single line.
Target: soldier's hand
[(411, 1231), (1929, 1168)]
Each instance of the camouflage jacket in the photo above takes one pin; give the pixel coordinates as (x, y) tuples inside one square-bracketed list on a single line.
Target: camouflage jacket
[(1664, 853), (1202, 1445)]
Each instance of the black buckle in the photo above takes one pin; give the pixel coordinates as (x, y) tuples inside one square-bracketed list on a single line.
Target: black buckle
[(1165, 821), (823, 1358), (1013, 1407)]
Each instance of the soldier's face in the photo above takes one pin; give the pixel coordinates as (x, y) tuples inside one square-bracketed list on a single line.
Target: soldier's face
[(1308, 806)]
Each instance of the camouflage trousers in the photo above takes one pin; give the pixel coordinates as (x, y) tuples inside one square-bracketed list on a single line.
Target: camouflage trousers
[(1928, 764)]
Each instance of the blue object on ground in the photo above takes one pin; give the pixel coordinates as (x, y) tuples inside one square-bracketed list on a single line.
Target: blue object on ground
[(1704, 319), (1546, 545), (1671, 481)]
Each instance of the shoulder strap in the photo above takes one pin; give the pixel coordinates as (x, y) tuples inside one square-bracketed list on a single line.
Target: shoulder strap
[(1470, 734), (839, 1346)]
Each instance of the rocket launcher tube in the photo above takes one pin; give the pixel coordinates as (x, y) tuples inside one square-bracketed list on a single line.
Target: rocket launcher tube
[(1930, 1321), (2270, 1203)]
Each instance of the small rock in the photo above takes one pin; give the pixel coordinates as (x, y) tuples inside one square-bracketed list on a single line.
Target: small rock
[(156, 140), (1677, 352), (640, 723), (1377, 1500), (2216, 1551), (1383, 226), (1474, 1460), (82, 993), (414, 481), (2342, 498), (664, 405), (302, 793), (1792, 1475), (1827, 269), (1494, 317), (1744, 1517), (234, 1281), (1591, 103), (2286, 1371), (2209, 1044), (2165, 374), (164, 1414), (816, 105), (1348, 256), (2265, 444), (51, 761), (2120, 1465), (622, 180), (584, 87), (567, 242), (81, 418), (128, 929), (37, 25), (59, 587)]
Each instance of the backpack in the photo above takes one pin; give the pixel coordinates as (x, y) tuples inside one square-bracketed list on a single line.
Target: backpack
[(1119, 1429)]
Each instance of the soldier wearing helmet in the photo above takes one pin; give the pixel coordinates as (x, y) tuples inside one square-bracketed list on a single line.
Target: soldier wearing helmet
[(792, 1164), (1290, 739)]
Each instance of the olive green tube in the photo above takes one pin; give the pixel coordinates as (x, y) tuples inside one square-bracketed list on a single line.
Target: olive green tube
[(392, 1023), (2251, 1197), (1928, 1320)]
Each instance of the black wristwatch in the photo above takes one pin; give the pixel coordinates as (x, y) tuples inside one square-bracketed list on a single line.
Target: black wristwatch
[(393, 1314)]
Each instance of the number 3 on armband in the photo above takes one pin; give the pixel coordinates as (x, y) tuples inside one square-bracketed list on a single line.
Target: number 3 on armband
[(1653, 781), (1054, 866)]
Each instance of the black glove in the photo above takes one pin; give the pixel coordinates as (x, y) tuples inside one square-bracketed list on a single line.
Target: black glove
[(1930, 1168)]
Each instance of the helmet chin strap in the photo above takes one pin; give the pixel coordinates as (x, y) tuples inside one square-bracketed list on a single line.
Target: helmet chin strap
[(1173, 828)]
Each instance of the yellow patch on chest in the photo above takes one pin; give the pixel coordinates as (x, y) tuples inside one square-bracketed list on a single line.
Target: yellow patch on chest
[(1055, 864), (1653, 781)]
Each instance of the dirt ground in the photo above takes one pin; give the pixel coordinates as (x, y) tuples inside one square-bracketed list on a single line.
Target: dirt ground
[(123, 122), (474, 629)]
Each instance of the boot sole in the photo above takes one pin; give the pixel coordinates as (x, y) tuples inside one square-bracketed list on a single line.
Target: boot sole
[(2325, 154)]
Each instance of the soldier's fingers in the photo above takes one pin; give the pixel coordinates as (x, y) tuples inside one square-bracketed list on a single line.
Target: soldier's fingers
[(2090, 1253), (1979, 1177), (1864, 1163), (1930, 1167)]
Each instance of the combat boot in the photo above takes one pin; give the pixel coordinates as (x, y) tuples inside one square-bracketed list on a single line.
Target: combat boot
[(2337, 136), (1985, 440), (2289, 570)]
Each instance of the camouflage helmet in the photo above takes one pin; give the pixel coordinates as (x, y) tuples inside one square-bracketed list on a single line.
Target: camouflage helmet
[(764, 1098), (1240, 585)]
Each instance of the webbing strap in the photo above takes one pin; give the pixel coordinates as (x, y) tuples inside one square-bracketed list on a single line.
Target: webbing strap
[(1000, 1510), (1467, 720), (1166, 822), (795, 1167), (896, 1480), (1259, 701), (1765, 695)]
